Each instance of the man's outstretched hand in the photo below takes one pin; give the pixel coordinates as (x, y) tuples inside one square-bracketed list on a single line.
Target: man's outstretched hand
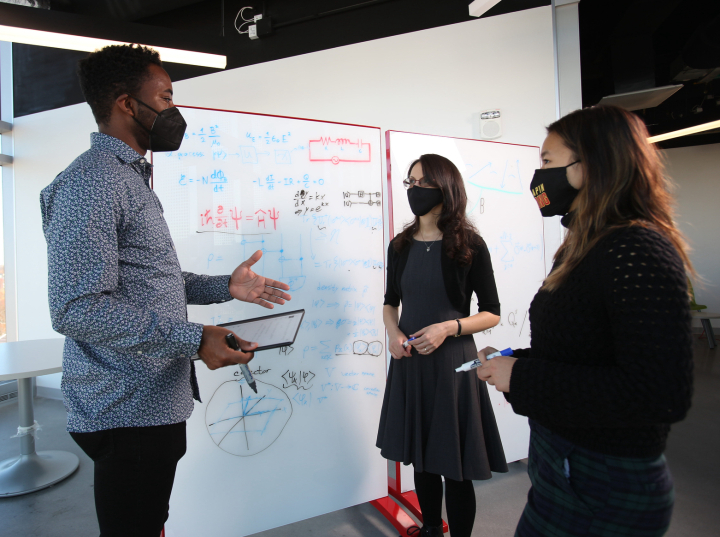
[(216, 353), (247, 286)]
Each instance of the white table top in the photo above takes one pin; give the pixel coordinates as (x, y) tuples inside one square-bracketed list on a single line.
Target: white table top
[(23, 359), (704, 314)]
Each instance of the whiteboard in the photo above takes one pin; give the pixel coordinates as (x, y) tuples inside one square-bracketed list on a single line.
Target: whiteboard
[(308, 194), (497, 181)]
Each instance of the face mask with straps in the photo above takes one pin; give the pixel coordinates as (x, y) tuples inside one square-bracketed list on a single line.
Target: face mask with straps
[(168, 129), (552, 191)]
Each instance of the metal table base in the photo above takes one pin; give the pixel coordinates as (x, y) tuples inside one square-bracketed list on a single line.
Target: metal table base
[(33, 471)]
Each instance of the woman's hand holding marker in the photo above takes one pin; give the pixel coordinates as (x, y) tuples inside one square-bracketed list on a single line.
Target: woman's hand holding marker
[(431, 337), (496, 371), (398, 346)]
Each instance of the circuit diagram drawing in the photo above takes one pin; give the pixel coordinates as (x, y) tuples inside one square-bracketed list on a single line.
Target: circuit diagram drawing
[(358, 198), (337, 150)]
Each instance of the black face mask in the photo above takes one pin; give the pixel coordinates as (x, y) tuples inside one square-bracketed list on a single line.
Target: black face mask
[(167, 131), (422, 200), (552, 191)]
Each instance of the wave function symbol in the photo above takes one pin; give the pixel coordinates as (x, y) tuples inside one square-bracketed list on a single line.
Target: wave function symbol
[(243, 423)]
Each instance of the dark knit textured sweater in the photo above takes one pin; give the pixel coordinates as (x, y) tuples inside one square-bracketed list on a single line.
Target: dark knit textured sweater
[(610, 362)]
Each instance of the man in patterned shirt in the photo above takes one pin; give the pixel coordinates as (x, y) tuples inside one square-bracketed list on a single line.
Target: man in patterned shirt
[(117, 292)]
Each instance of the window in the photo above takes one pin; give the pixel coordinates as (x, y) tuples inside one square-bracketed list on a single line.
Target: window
[(5, 119)]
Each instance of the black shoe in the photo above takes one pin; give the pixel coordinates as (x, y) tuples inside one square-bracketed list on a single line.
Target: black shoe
[(426, 531)]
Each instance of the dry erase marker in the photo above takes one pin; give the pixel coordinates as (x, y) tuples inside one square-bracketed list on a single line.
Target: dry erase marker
[(407, 343), (233, 344), (469, 366), (504, 352)]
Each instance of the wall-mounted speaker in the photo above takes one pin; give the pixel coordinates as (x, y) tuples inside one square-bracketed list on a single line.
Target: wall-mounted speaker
[(490, 125)]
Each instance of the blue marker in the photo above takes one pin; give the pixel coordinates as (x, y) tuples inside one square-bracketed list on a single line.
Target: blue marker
[(504, 352), (469, 366), (407, 343)]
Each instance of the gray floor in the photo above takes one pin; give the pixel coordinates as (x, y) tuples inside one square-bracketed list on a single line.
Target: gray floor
[(66, 509)]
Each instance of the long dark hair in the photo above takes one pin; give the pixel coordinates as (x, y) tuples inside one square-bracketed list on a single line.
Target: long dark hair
[(624, 184), (459, 235)]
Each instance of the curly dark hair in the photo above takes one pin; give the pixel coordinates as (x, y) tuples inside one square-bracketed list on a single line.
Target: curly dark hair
[(111, 71), (459, 234)]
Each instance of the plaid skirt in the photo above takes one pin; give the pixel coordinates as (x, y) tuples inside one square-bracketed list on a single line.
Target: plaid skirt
[(576, 491)]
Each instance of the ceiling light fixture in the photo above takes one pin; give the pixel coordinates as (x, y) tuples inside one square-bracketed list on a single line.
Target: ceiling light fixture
[(684, 132), (479, 7), (639, 100), (90, 44)]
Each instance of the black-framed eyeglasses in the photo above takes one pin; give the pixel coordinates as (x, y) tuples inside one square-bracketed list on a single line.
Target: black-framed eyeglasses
[(411, 182)]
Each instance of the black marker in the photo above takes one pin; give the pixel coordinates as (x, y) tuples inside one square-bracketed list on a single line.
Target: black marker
[(233, 344)]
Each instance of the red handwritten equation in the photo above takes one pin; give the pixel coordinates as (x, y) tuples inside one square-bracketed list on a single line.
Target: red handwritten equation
[(220, 218), (337, 150)]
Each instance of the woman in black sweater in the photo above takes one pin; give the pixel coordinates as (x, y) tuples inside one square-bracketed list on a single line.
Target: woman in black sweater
[(440, 422), (610, 362)]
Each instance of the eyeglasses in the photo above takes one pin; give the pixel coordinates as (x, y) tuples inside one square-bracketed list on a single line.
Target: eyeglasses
[(411, 182)]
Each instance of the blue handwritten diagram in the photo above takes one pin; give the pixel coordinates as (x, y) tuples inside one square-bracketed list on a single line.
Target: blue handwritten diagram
[(309, 196), (242, 422)]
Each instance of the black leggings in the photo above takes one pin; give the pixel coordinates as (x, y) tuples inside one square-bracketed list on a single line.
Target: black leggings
[(459, 502)]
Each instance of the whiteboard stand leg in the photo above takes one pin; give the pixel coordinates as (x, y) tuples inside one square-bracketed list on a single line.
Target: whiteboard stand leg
[(709, 332), (395, 515), (391, 505)]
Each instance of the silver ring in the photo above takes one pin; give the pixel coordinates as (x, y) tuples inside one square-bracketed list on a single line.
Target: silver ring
[(426, 348)]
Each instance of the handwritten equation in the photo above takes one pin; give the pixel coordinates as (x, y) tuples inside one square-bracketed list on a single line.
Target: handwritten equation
[(307, 202), (269, 137), (300, 380), (204, 135), (222, 218), (216, 180), (271, 182)]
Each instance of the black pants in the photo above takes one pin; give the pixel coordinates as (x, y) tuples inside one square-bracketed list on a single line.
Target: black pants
[(134, 473), (459, 502)]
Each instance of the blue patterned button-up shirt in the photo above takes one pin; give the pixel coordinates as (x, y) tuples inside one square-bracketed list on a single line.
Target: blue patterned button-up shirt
[(117, 293)]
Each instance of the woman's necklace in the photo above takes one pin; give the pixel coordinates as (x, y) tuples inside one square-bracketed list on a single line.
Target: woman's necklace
[(431, 242)]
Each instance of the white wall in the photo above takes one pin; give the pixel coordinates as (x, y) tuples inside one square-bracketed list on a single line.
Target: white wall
[(696, 170), (435, 81)]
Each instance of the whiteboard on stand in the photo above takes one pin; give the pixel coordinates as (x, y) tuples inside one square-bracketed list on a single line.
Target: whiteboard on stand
[(308, 194), (497, 181)]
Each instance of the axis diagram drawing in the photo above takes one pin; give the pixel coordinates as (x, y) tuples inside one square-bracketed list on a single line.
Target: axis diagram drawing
[(243, 423)]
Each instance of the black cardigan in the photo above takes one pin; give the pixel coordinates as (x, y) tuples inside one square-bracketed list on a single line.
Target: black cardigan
[(460, 281), (610, 362)]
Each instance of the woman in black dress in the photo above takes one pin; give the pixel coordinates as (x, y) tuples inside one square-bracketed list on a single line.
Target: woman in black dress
[(609, 366), (438, 420)]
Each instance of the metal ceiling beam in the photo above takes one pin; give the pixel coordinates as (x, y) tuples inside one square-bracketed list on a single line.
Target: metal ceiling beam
[(125, 10), (83, 25)]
